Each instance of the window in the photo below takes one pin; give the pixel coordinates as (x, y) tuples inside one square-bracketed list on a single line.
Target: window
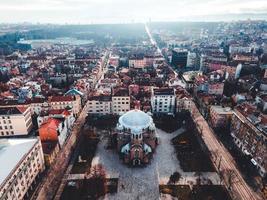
[(11, 127)]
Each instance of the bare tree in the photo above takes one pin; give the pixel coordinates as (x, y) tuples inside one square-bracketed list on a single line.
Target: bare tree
[(96, 181)]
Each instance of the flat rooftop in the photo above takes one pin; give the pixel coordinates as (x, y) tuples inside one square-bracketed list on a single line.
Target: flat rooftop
[(12, 151), (222, 110), (164, 91), (10, 111)]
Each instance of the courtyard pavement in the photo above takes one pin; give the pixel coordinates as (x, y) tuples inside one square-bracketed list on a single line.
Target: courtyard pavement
[(143, 183)]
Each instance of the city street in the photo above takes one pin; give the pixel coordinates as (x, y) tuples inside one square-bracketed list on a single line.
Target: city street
[(49, 185), (223, 160)]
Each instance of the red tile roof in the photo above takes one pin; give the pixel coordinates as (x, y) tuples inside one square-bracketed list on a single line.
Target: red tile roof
[(61, 98)]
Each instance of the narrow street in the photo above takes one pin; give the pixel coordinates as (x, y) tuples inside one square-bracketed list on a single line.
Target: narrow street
[(56, 172)]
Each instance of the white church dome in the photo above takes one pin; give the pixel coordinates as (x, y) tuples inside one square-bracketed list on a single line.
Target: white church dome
[(135, 119)]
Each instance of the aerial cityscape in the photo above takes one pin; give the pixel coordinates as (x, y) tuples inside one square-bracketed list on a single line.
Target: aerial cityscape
[(101, 102)]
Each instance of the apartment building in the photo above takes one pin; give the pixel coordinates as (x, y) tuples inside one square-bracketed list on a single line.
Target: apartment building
[(183, 100), (220, 116), (100, 104), (120, 101), (163, 101), (55, 130), (23, 162), (15, 120), (62, 102), (137, 62), (249, 132)]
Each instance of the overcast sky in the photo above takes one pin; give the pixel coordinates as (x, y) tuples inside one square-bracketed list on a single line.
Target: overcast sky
[(122, 11)]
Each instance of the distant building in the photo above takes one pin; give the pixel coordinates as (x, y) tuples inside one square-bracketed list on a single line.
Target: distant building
[(137, 62), (114, 61), (21, 162), (207, 59), (193, 60), (15, 121), (236, 48), (136, 137), (163, 101), (179, 58)]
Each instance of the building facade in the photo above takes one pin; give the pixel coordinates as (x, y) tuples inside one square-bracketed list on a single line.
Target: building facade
[(19, 173), (15, 121), (250, 135), (163, 101), (220, 116), (99, 105), (120, 104), (179, 58), (62, 102)]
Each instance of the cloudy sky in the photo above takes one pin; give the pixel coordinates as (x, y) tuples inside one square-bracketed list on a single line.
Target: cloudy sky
[(122, 11)]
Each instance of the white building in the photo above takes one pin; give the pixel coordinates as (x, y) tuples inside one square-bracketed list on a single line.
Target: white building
[(99, 105), (163, 101), (21, 162), (239, 49), (192, 59), (15, 121)]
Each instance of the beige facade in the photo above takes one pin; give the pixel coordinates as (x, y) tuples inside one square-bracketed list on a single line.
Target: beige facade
[(137, 63), (120, 104), (62, 102), (99, 106), (183, 104), (220, 116), (15, 121), (26, 164)]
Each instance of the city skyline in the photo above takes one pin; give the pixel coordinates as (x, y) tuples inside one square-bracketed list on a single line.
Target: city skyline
[(119, 11)]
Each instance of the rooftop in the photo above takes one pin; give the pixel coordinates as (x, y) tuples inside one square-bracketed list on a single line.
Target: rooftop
[(12, 151), (222, 110), (61, 98), (135, 119), (12, 110), (164, 91)]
